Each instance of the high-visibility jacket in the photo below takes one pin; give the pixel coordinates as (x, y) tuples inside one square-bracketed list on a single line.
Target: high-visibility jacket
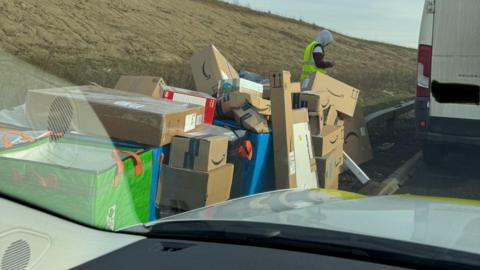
[(309, 63)]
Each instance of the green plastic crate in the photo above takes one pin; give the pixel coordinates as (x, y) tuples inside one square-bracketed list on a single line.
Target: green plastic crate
[(78, 180)]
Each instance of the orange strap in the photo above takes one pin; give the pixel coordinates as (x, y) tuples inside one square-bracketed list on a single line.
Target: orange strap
[(11, 132), (53, 134), (246, 150), (120, 167)]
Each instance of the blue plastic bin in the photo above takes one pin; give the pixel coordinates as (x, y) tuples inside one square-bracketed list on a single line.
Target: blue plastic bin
[(258, 173)]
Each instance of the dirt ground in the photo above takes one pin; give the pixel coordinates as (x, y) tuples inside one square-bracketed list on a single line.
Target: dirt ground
[(98, 40)]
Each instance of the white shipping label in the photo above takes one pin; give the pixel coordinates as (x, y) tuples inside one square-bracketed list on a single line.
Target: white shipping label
[(189, 99), (190, 122), (291, 163), (199, 119)]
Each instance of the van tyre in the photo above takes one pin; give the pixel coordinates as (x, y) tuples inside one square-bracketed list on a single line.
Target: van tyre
[(433, 154)]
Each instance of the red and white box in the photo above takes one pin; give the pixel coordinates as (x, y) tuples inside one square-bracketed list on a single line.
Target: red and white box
[(193, 97)]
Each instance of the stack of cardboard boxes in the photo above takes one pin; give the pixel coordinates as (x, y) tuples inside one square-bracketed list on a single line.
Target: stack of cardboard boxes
[(329, 103)]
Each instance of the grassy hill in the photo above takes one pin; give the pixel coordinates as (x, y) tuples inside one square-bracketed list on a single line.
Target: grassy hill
[(98, 40)]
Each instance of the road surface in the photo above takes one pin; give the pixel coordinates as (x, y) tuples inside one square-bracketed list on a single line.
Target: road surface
[(458, 177)]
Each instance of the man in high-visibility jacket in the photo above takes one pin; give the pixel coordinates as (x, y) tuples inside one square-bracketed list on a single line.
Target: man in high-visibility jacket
[(313, 59)]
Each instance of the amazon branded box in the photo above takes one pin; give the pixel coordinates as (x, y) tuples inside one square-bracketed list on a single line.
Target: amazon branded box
[(357, 141), (342, 95), (193, 97), (184, 189), (145, 85), (331, 138), (328, 169), (295, 87), (209, 66), (282, 130), (239, 86), (111, 113), (250, 119), (202, 153), (228, 102), (313, 101)]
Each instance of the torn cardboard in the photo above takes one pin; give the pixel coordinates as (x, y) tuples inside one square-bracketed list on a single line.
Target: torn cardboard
[(330, 139), (209, 66), (145, 85), (111, 113), (331, 116), (250, 119), (193, 97), (202, 153), (183, 189), (235, 100), (342, 95)]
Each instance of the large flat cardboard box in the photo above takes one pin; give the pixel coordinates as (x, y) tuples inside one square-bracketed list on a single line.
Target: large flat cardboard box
[(203, 153), (313, 101), (328, 168), (183, 189), (111, 113), (330, 138), (193, 97), (357, 141), (145, 85), (282, 130), (240, 86), (342, 95), (235, 100), (306, 168), (209, 66), (250, 119)]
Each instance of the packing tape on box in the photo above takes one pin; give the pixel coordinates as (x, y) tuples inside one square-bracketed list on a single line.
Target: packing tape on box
[(193, 151)]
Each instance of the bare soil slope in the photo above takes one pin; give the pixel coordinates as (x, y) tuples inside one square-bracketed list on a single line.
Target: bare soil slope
[(98, 40)]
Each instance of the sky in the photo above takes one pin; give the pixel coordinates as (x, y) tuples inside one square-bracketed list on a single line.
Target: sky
[(390, 21)]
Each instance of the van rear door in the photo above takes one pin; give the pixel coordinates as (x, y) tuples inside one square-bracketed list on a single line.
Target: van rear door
[(455, 89)]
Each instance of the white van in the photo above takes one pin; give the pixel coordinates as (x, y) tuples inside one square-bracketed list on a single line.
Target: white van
[(448, 85)]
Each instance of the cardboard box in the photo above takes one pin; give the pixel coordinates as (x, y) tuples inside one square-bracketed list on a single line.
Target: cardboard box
[(145, 85), (331, 116), (209, 66), (183, 189), (267, 91), (316, 122), (330, 139), (203, 153), (342, 95), (235, 100), (328, 168), (111, 113), (240, 86), (314, 101), (250, 119), (193, 97), (282, 126), (306, 168), (357, 141)]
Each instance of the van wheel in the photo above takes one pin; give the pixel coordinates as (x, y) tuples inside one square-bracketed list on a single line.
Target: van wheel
[(433, 154)]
